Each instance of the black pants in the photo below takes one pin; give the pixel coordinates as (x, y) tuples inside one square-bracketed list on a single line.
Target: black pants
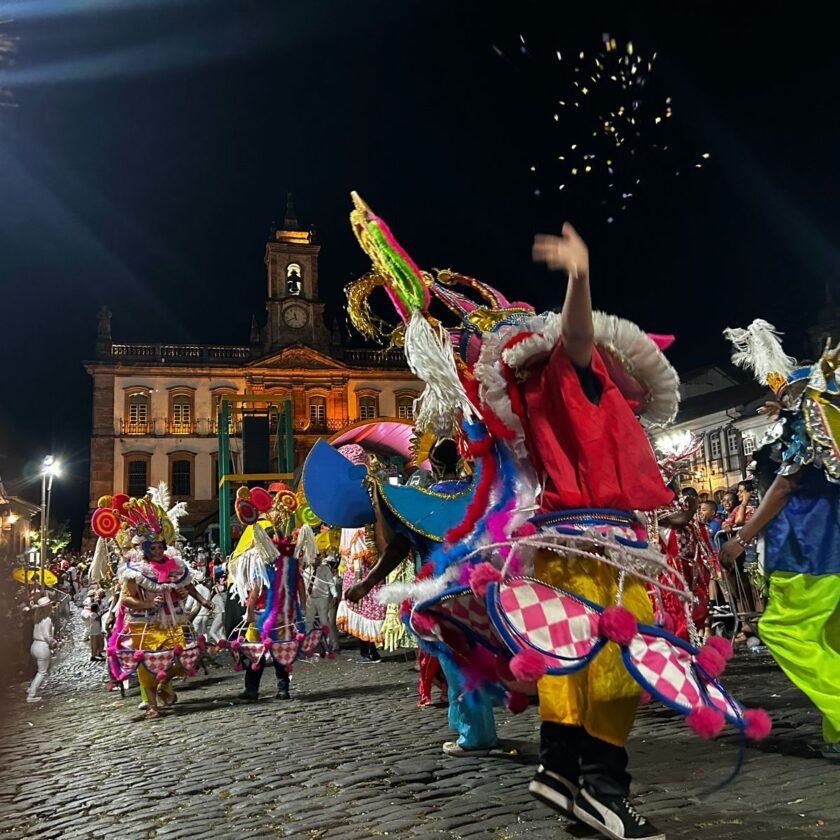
[(252, 678), (575, 754), (368, 650)]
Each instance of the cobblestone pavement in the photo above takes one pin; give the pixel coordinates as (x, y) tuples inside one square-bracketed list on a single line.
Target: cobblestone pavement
[(351, 757)]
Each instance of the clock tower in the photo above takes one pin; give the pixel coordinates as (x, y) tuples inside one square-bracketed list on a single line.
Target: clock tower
[(295, 314)]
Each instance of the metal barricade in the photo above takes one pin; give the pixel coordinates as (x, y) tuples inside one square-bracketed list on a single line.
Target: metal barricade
[(744, 600)]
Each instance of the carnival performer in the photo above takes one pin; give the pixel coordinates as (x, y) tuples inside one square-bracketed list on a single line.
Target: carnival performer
[(798, 468), (547, 406), (472, 719), (152, 633)]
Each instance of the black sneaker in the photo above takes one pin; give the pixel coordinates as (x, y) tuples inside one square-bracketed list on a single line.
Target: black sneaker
[(614, 817), (249, 696), (282, 694), (554, 790)]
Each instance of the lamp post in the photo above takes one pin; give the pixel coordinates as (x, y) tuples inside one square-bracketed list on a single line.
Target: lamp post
[(49, 469)]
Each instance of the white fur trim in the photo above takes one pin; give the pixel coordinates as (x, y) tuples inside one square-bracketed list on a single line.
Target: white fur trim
[(759, 348)]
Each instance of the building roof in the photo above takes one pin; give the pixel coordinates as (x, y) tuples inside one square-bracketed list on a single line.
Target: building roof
[(735, 398)]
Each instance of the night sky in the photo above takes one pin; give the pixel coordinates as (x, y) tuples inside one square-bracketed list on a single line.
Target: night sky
[(154, 142)]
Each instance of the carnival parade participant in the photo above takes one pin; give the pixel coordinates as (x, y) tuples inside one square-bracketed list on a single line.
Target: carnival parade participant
[(544, 577), (152, 633), (472, 719), (798, 469), (264, 575), (43, 641)]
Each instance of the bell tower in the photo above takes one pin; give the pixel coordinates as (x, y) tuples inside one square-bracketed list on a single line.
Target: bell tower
[(295, 313)]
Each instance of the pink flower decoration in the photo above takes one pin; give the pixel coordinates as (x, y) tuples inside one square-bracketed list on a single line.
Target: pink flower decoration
[(705, 721), (482, 574), (527, 666), (618, 624), (758, 724)]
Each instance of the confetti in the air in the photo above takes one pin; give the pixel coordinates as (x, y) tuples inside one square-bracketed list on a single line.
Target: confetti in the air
[(608, 121)]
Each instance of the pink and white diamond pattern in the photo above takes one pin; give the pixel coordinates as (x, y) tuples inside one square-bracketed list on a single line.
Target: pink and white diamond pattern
[(252, 651), (310, 641), (189, 657), (284, 653), (666, 668), (718, 700), (158, 660), (127, 661), (550, 621)]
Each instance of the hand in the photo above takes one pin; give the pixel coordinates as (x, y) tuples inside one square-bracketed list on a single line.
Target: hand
[(567, 252), (727, 527), (729, 553), (770, 409), (356, 592)]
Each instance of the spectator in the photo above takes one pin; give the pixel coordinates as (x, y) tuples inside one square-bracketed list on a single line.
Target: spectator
[(709, 516), (43, 641)]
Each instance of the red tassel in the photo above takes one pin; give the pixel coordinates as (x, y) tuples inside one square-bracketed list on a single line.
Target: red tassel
[(758, 724), (527, 666), (705, 721)]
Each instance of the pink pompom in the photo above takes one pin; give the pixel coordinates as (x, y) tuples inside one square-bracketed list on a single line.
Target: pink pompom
[(710, 661), (222, 644), (234, 645), (255, 666), (138, 655), (480, 575), (237, 666), (527, 666), (645, 698), (300, 637), (289, 668), (177, 650), (191, 672), (424, 624), (331, 655), (618, 624), (517, 702), (721, 645), (705, 721), (527, 529), (324, 629), (758, 724), (202, 642), (160, 676)]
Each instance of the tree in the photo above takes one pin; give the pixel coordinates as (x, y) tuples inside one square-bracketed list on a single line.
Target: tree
[(57, 537)]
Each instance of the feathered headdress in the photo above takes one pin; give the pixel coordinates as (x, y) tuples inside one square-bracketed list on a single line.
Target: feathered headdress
[(758, 348), (132, 521)]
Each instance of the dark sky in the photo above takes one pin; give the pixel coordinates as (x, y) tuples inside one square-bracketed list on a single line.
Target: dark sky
[(154, 141)]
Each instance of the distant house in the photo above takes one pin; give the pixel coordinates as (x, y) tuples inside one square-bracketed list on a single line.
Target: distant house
[(15, 525)]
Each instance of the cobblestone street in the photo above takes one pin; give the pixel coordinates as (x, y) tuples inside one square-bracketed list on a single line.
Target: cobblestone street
[(351, 757)]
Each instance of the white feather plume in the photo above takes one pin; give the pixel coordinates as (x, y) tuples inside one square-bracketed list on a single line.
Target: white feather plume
[(160, 495), (306, 550), (758, 348), (430, 357), (100, 566)]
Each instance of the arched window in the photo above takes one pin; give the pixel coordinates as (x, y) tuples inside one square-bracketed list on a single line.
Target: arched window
[(317, 411), (368, 408), (714, 446), (294, 279), (181, 414), (733, 441), (137, 477), (749, 444), (405, 407), (137, 412)]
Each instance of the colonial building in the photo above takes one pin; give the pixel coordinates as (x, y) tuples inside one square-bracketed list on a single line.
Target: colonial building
[(155, 405), (16, 516)]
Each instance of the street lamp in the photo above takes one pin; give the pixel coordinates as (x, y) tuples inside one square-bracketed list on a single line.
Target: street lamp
[(49, 469)]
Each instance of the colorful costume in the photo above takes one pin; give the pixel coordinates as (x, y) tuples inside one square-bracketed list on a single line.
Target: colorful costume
[(561, 464), (801, 624), (363, 620), (157, 641)]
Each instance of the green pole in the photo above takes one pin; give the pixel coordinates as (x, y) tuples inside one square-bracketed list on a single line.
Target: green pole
[(223, 420)]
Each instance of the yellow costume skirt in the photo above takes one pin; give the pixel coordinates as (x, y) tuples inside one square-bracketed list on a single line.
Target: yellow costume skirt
[(602, 697), (151, 637)]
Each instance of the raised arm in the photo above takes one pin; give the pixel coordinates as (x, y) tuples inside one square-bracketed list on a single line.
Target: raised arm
[(568, 252), (393, 555)]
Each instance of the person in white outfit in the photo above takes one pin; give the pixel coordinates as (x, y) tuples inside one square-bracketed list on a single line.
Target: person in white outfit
[(43, 640), (200, 615), (318, 582), (217, 627)]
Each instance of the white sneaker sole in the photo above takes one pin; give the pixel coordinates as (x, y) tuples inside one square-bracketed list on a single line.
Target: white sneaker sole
[(552, 798), (593, 822)]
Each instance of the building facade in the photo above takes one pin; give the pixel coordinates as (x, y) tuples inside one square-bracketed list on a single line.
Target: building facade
[(155, 406)]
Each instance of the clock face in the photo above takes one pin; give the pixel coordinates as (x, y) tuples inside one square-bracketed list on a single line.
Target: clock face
[(295, 317)]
